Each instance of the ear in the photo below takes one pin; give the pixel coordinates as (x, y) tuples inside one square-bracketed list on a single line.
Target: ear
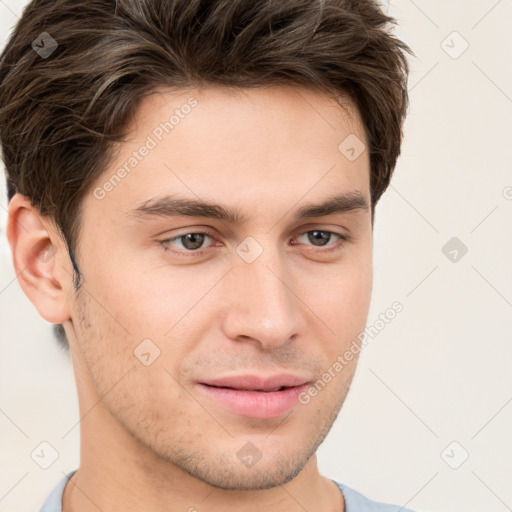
[(40, 259)]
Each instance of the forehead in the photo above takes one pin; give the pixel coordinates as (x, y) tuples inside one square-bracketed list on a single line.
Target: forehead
[(219, 111), (249, 146)]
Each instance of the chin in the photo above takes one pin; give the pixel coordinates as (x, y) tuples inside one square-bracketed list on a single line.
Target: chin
[(251, 479), (235, 475)]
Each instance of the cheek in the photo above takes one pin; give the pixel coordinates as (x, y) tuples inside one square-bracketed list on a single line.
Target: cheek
[(134, 300), (342, 300), (128, 387)]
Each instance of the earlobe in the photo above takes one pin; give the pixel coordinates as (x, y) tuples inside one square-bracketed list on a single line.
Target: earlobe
[(37, 255)]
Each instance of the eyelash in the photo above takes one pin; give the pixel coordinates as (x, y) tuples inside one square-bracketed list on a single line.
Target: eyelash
[(342, 239)]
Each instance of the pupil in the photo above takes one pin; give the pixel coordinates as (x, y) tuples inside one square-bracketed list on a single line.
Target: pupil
[(195, 238), (323, 235)]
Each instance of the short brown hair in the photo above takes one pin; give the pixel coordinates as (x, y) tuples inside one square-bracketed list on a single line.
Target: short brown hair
[(61, 109)]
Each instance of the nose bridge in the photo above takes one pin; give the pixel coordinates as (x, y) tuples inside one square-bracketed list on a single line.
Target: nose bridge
[(262, 304)]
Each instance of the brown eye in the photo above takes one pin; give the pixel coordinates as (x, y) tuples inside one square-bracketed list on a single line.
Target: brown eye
[(321, 238), (186, 242), (192, 241)]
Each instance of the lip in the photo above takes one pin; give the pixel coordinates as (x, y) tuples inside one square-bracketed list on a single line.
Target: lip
[(255, 396)]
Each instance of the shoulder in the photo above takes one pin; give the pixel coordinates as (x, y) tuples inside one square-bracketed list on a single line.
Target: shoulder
[(357, 502), (54, 501)]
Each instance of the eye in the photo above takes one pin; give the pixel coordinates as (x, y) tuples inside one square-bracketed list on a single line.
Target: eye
[(188, 242), (320, 238)]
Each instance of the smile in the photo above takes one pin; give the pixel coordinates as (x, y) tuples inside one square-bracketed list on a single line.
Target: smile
[(255, 397)]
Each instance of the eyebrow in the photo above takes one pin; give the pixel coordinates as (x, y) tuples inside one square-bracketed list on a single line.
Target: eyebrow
[(174, 206)]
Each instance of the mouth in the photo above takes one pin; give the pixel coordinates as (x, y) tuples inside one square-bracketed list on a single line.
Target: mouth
[(252, 390), (255, 396)]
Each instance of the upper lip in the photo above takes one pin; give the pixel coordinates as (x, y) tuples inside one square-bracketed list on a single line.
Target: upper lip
[(257, 383)]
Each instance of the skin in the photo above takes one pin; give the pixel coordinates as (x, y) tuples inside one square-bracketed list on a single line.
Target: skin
[(296, 308)]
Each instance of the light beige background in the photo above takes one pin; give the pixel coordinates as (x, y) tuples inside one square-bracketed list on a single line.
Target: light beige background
[(441, 370)]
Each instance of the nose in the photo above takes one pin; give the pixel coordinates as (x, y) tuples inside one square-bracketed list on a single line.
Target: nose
[(261, 304)]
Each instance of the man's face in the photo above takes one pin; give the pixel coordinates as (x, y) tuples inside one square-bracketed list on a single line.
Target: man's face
[(177, 333)]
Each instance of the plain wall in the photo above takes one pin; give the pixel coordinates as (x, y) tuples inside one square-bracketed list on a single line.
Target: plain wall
[(437, 373)]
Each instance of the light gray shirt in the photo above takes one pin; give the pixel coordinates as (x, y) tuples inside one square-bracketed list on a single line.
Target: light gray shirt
[(354, 501)]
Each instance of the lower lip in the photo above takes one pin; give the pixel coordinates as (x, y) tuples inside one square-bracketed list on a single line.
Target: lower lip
[(255, 404)]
